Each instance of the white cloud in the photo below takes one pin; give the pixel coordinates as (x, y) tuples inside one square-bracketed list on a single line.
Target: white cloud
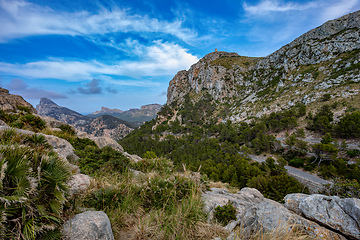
[(267, 6), (339, 9), (20, 18), (159, 59)]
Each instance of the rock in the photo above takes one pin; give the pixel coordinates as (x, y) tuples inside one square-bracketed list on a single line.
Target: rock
[(241, 200), (292, 201), (102, 142), (2, 123), (333, 212), (90, 225), (134, 158), (269, 216), (62, 147), (79, 183), (10, 102)]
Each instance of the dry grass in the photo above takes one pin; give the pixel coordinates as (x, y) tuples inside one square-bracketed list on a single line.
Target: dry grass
[(224, 186)]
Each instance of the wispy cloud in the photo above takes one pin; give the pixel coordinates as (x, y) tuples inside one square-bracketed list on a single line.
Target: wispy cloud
[(20, 18), (18, 86), (158, 59), (266, 6), (338, 9)]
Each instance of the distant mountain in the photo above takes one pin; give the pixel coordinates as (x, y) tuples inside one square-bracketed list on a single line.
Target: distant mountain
[(139, 116), (103, 125)]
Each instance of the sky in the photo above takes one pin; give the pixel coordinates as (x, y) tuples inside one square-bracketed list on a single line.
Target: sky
[(123, 53)]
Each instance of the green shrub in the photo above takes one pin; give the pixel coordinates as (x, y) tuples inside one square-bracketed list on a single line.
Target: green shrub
[(156, 164), (33, 191), (225, 213), (104, 199), (67, 129), (344, 188), (23, 108), (296, 162), (160, 192)]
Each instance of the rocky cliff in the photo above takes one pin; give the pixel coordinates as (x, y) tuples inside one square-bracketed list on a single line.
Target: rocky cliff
[(103, 126), (322, 61), (10, 102)]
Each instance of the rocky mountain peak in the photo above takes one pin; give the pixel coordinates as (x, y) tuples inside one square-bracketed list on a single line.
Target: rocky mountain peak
[(10, 102), (218, 54), (46, 101)]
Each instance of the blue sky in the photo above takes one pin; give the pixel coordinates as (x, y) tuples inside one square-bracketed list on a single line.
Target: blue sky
[(122, 54)]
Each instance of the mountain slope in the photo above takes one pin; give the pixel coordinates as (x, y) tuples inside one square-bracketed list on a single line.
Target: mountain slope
[(106, 125), (321, 61)]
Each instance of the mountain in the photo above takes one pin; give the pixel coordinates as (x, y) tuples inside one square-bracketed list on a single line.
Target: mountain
[(10, 102), (137, 116), (105, 125), (323, 61)]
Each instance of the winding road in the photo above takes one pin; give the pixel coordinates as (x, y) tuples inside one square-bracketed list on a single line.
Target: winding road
[(296, 172)]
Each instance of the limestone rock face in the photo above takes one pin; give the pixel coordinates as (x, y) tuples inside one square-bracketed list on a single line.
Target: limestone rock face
[(281, 79), (342, 215), (94, 225), (241, 200), (9, 102), (269, 215), (107, 142)]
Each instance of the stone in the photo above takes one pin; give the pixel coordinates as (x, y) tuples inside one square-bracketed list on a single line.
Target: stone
[(102, 142), (272, 216), (292, 201), (94, 225), (331, 211), (2, 123), (79, 183), (51, 122), (241, 200), (134, 158)]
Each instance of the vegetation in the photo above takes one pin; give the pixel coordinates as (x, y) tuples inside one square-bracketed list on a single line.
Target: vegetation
[(33, 189), (23, 120), (224, 214)]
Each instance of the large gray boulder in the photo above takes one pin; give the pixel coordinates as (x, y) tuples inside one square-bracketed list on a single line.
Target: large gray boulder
[(241, 200), (94, 225), (102, 142), (342, 215), (270, 215)]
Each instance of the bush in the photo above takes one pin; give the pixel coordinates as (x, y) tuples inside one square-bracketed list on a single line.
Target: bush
[(344, 188), (67, 129), (225, 213), (296, 162), (33, 191)]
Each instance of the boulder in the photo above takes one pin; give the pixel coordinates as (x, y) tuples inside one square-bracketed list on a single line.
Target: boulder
[(134, 158), (94, 225), (272, 216), (292, 201), (2, 123), (79, 183), (342, 215), (102, 142), (241, 200)]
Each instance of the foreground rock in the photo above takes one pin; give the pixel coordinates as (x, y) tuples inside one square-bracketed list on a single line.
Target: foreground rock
[(256, 213), (94, 225), (342, 215), (269, 215)]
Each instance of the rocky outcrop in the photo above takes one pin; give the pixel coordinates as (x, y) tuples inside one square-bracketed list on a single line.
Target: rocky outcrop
[(256, 213), (103, 126), (325, 58), (107, 142), (269, 215), (341, 215), (10, 102), (94, 225)]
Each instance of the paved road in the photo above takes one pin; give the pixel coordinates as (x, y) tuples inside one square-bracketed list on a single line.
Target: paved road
[(295, 171), (317, 140)]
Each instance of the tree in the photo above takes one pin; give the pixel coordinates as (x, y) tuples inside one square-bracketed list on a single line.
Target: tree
[(325, 152)]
